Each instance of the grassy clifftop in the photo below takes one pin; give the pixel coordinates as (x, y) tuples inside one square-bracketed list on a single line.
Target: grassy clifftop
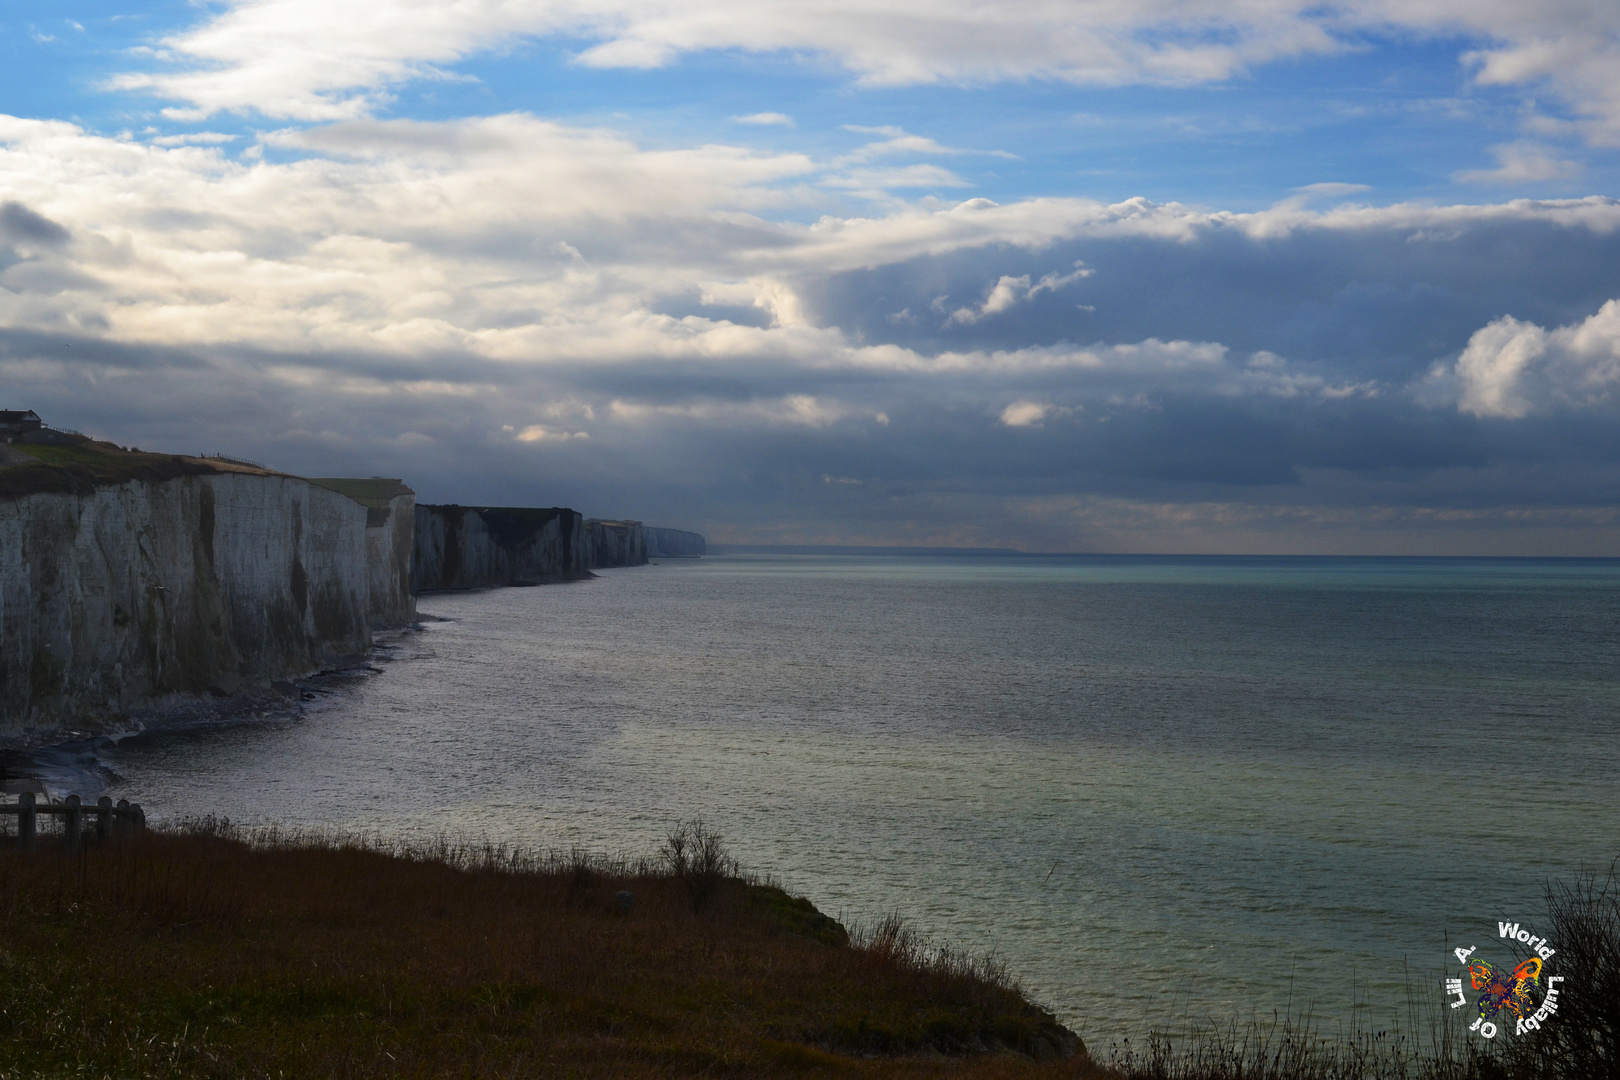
[(198, 955), (79, 468)]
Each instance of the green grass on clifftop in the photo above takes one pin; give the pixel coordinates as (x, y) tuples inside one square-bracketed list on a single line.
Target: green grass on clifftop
[(80, 468)]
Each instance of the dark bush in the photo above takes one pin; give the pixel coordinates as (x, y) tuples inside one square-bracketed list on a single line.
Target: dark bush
[(697, 856)]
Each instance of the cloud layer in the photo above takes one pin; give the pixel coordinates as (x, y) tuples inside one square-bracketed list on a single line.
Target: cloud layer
[(512, 309), (310, 60)]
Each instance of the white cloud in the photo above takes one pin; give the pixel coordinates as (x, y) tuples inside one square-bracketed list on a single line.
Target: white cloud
[(878, 181), (537, 433), (315, 60), (765, 118), (1521, 163), (1009, 291), (897, 140), (1029, 413), (1511, 369), (1006, 292)]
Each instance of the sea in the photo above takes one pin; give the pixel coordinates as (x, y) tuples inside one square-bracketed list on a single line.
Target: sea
[(1162, 792)]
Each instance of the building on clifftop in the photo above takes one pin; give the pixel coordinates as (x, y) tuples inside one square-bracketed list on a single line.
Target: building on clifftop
[(15, 422)]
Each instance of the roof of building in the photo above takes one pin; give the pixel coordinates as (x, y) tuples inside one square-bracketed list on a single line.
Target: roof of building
[(17, 416)]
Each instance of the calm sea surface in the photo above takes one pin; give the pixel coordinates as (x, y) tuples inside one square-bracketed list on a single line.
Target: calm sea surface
[(1158, 789)]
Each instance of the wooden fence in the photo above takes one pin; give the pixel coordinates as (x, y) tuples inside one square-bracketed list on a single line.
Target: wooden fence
[(102, 820)]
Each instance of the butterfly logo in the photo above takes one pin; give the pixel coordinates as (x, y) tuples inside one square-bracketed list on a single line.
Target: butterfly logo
[(1502, 989)]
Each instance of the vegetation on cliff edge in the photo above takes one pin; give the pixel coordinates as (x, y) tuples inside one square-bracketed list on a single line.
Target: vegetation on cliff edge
[(213, 953), (80, 468)]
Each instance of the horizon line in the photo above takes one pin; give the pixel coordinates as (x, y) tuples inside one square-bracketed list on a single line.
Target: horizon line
[(725, 548)]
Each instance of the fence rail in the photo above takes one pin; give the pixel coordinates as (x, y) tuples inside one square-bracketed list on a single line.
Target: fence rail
[(104, 819)]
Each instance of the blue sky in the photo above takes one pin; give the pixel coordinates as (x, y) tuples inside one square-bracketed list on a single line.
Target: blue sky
[(1100, 275)]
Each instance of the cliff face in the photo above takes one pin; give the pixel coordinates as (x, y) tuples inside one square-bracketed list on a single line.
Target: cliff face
[(390, 539), (119, 598), (614, 543), (466, 547), (674, 543)]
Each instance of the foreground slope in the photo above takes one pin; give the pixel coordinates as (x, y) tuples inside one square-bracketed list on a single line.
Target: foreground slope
[(200, 956)]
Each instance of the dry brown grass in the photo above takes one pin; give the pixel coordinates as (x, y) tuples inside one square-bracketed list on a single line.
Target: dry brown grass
[(210, 953)]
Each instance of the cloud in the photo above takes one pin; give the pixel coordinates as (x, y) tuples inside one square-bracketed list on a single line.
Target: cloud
[(309, 60), (897, 140), (765, 118), (195, 138), (17, 222), (1511, 369), (1009, 291), (1330, 190), (1030, 413), (1003, 295), (460, 302), (876, 182), (1521, 163), (538, 433)]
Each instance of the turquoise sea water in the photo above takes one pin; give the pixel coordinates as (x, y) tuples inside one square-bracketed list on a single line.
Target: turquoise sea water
[(1158, 789)]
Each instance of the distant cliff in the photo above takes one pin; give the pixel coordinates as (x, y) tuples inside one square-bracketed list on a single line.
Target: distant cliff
[(614, 543), (674, 544), (129, 581), (480, 547), (475, 547)]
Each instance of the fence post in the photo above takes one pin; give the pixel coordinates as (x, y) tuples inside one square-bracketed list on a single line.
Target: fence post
[(140, 815), (70, 831), (103, 817), (25, 819), (121, 823)]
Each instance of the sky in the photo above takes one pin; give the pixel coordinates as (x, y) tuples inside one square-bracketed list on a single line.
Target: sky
[(1157, 276)]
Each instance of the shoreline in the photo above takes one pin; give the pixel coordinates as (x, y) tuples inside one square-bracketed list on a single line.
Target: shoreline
[(283, 700)]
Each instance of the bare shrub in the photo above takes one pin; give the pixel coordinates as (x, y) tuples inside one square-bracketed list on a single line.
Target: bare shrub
[(697, 856)]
